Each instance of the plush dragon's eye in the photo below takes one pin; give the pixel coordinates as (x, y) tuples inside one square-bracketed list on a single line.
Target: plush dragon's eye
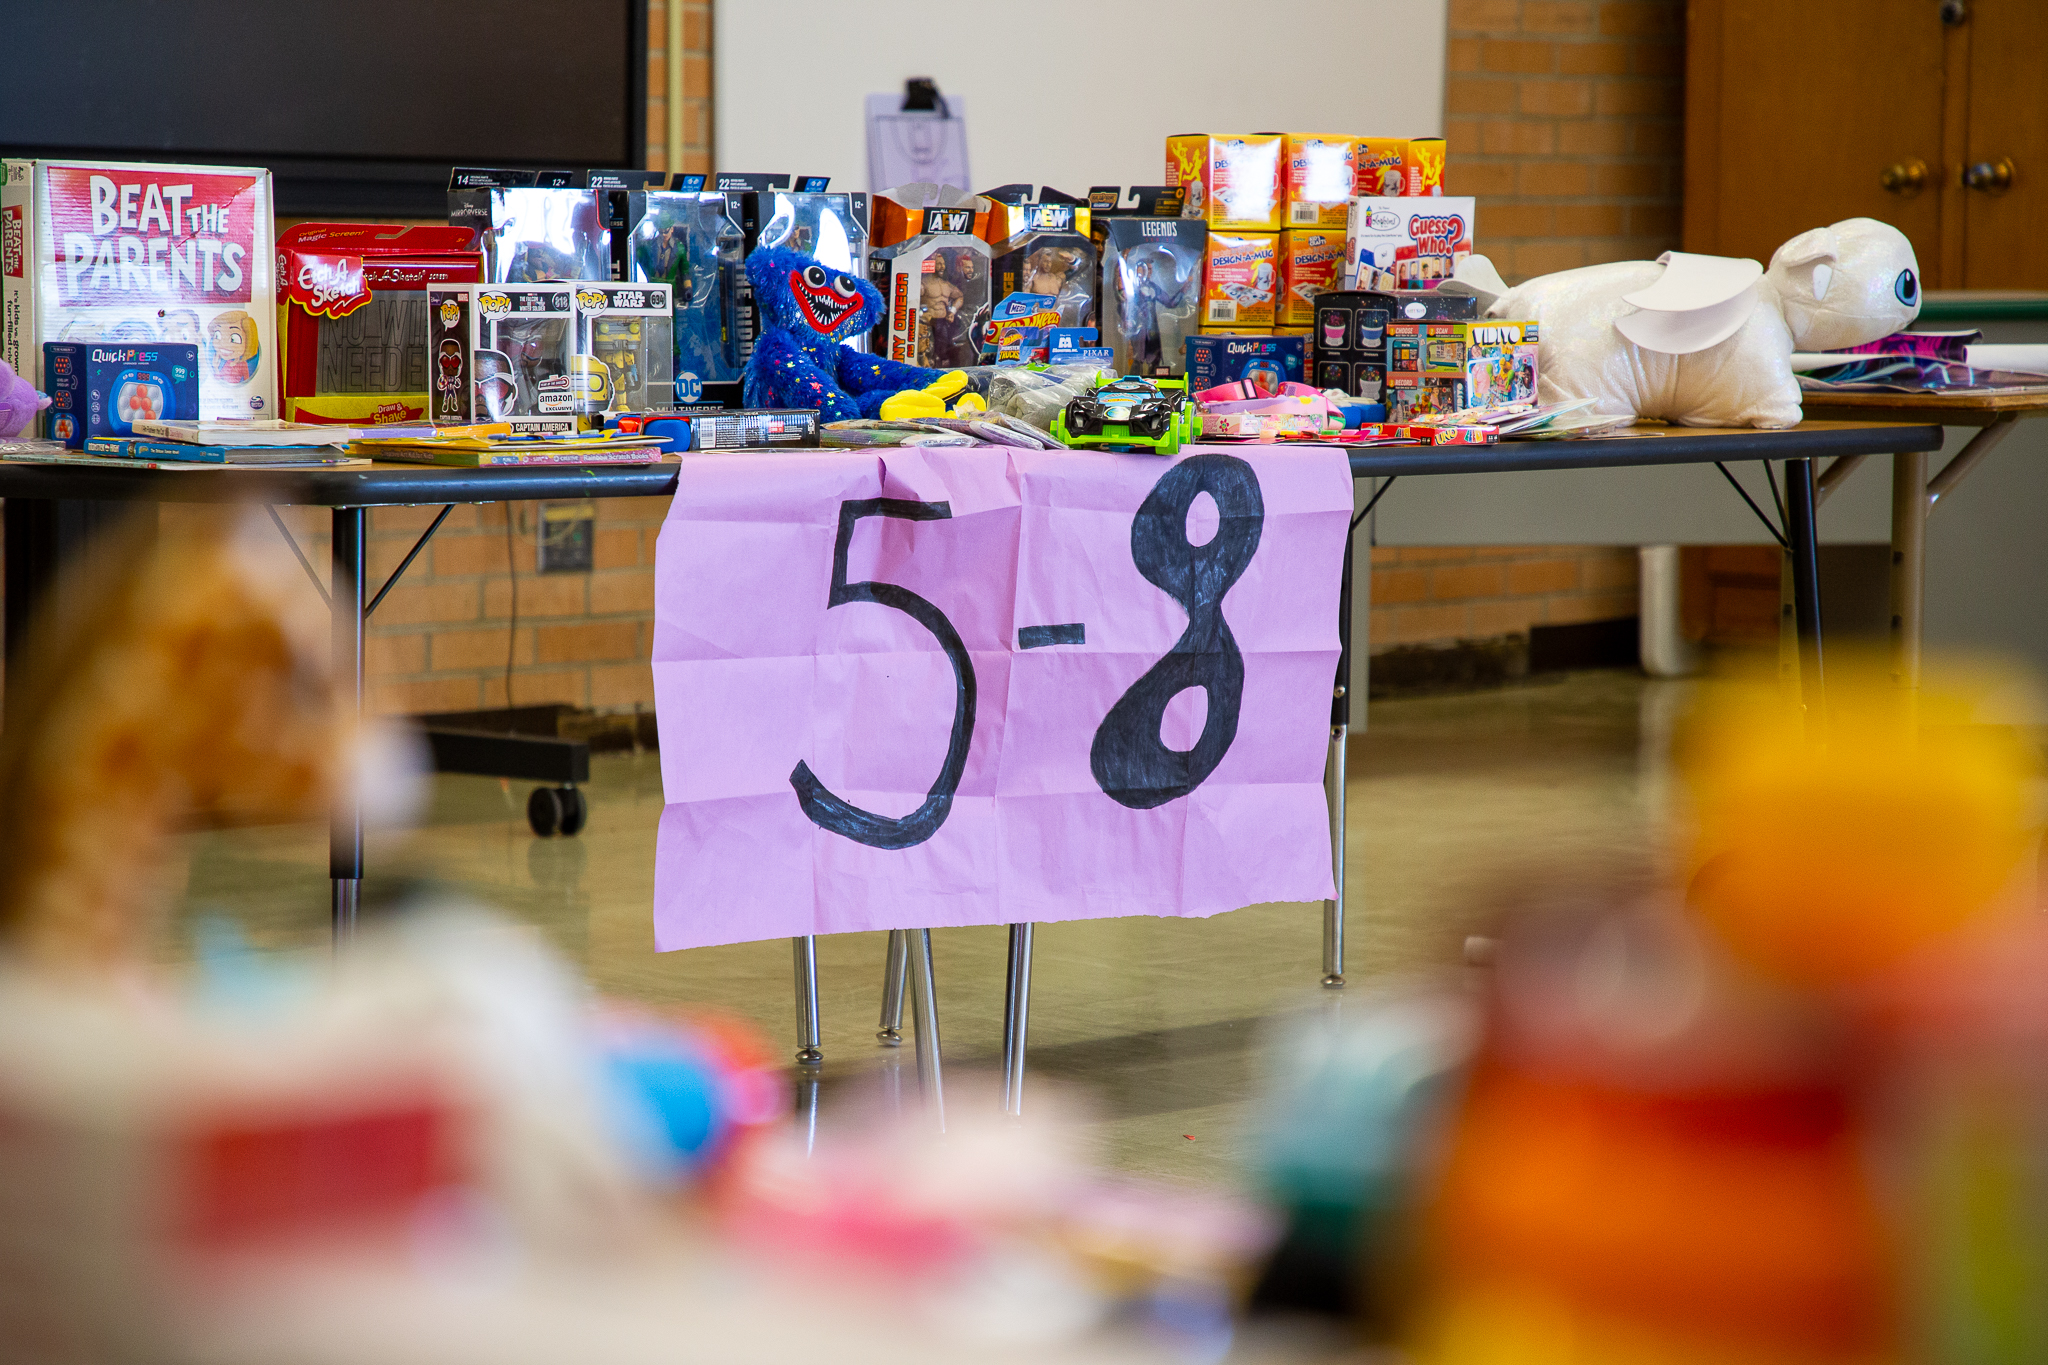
[(846, 287), (1906, 288), (814, 276)]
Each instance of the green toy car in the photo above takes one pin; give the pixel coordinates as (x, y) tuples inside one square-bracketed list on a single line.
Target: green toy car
[(1132, 413)]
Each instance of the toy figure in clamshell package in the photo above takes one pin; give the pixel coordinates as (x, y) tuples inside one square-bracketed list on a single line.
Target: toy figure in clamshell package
[(1152, 287), (690, 241)]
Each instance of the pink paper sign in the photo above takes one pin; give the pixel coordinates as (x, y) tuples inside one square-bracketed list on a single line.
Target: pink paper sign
[(941, 686)]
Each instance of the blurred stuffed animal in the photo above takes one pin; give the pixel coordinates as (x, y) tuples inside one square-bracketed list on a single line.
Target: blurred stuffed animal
[(1707, 341), (19, 402)]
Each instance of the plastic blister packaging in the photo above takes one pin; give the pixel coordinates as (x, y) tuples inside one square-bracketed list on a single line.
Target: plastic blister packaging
[(691, 242), (1152, 292), (546, 234)]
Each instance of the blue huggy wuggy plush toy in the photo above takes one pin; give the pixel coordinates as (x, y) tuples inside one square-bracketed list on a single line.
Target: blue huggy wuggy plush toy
[(800, 360)]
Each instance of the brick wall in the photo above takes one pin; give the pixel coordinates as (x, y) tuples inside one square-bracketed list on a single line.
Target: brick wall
[(1434, 594), (695, 153), (1565, 119)]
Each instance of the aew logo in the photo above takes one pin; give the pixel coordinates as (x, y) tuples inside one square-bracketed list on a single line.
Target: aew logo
[(1168, 228), (1049, 217), (956, 221), (493, 305)]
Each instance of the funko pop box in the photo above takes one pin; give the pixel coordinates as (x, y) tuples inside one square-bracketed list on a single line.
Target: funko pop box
[(101, 390), (623, 357), (935, 291), (353, 317)]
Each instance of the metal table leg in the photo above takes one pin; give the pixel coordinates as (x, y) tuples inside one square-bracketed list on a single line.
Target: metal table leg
[(890, 1033), (924, 1017), (1803, 534), (1909, 564), (1016, 1019), (1333, 779), (345, 601), (809, 1035)]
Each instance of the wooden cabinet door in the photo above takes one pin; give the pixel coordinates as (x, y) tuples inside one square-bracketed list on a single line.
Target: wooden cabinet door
[(2005, 234), (1795, 108)]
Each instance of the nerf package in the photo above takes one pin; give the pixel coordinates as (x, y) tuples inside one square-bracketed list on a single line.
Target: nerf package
[(532, 232), (690, 240), (1263, 362), (1405, 243), (935, 292), (1049, 251), (1348, 346), (1152, 291), (754, 429), (1229, 181), (352, 316), (1240, 278), (1311, 261), (623, 348), (136, 255), (1320, 179), (101, 390)]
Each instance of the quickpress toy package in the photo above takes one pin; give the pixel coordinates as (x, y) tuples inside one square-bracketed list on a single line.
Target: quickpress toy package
[(624, 348), (102, 390), (353, 317), (1348, 348), (1263, 362), (1049, 251), (1321, 179), (143, 254), (1229, 181), (1405, 243), (1240, 279), (935, 292), (1311, 263), (691, 241), (1152, 291)]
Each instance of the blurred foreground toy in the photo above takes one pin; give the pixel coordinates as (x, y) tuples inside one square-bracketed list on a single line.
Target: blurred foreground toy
[(19, 402), (1707, 341)]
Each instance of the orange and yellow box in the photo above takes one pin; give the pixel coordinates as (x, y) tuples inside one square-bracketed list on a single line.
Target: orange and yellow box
[(1319, 178), (1230, 180), (1311, 261), (1240, 281), (1394, 167)]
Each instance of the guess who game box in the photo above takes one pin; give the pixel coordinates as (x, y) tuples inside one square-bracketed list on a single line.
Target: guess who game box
[(137, 255), (354, 317)]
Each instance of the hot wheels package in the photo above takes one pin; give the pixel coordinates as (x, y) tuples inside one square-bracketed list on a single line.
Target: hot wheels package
[(624, 359), (1152, 291), (691, 242)]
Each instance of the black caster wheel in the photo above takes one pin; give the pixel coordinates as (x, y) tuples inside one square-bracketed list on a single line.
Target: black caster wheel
[(556, 810)]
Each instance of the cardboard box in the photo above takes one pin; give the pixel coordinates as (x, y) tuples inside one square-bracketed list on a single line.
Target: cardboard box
[(624, 348), (935, 291), (100, 390), (1381, 169), (1267, 361), (353, 318), (1405, 243), (1240, 280), (1320, 179), (1311, 263), (1430, 365), (1230, 182), (133, 254), (1348, 346), (1423, 166)]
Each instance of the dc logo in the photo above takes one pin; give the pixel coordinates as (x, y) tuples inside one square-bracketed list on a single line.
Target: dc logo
[(689, 388)]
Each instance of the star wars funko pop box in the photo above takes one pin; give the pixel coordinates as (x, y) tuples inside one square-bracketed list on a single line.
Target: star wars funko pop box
[(354, 322)]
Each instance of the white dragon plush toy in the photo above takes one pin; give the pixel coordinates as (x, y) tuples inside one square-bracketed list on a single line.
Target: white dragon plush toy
[(1707, 341)]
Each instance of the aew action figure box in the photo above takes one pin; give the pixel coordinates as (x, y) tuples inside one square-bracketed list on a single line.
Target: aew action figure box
[(935, 291), (1048, 250), (141, 254), (352, 316)]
